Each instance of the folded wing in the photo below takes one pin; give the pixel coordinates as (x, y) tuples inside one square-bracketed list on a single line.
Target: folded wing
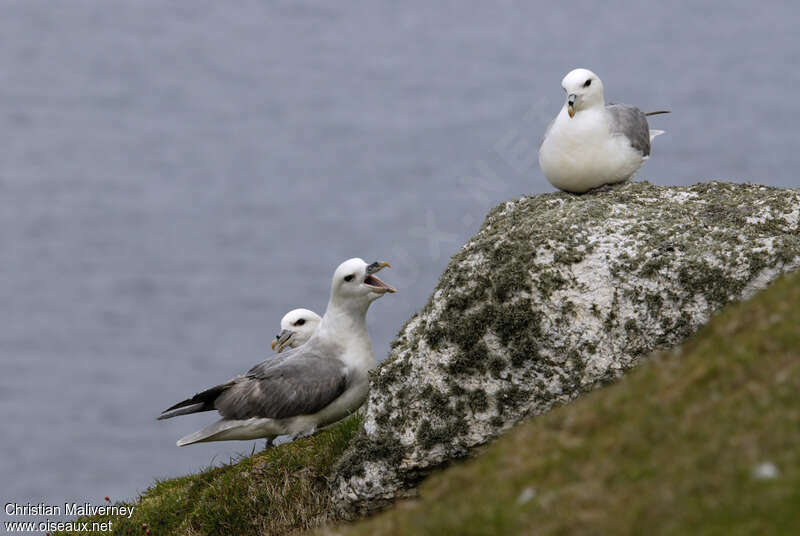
[(630, 122), (302, 385)]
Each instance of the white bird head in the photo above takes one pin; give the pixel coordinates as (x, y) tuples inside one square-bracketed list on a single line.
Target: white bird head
[(297, 326), (355, 284), (584, 90)]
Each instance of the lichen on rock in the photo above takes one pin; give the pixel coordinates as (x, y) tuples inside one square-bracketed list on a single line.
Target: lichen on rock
[(555, 295)]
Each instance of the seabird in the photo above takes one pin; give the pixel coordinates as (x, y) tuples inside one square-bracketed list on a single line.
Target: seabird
[(306, 388), (590, 144), (297, 326)]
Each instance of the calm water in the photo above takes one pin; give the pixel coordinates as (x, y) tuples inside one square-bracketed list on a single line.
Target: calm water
[(173, 178)]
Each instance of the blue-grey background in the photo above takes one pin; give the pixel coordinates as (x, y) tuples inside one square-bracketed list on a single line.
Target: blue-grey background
[(174, 176)]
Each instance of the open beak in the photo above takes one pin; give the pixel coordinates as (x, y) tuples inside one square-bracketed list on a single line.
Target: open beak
[(282, 340), (571, 104), (372, 281)]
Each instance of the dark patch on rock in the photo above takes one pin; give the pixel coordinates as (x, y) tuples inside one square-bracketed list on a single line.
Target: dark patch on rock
[(555, 295)]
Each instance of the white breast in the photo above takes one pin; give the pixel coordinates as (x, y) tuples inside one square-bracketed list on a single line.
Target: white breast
[(579, 153)]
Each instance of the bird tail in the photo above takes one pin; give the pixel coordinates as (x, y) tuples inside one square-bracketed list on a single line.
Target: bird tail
[(654, 133), (224, 430), (200, 402), (206, 434), (658, 112)]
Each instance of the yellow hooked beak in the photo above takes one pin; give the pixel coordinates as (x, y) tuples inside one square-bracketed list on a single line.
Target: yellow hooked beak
[(571, 104), (372, 281), (282, 340)]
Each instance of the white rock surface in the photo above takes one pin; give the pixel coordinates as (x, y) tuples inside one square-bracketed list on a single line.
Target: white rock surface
[(557, 294)]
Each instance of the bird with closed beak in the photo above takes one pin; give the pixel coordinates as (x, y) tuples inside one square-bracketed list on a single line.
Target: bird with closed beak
[(590, 144), (297, 326)]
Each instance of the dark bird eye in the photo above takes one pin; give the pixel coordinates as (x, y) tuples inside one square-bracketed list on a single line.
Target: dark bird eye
[(587, 83), (300, 322), (349, 277)]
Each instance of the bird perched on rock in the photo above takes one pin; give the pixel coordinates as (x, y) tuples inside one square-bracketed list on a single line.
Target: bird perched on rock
[(297, 326), (306, 388), (590, 144)]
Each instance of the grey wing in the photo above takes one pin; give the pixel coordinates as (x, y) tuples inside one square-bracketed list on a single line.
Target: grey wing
[(302, 385), (271, 361), (630, 122)]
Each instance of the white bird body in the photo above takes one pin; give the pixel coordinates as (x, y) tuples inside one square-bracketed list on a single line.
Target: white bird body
[(579, 153), (595, 144), (304, 389), (296, 426), (357, 364)]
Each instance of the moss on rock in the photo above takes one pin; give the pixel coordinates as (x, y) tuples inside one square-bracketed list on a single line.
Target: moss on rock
[(698, 440), (554, 295)]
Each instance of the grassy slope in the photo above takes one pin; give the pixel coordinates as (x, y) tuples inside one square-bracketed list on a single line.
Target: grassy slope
[(280, 490), (669, 449)]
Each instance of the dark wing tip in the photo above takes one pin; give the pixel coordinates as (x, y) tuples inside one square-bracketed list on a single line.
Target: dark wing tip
[(206, 398), (184, 403)]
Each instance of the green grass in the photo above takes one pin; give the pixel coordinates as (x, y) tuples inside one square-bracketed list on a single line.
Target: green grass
[(277, 491), (672, 448)]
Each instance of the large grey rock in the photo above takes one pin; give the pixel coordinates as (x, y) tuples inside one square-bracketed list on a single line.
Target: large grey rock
[(555, 295)]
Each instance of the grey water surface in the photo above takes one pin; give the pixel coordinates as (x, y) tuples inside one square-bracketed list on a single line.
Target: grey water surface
[(174, 176)]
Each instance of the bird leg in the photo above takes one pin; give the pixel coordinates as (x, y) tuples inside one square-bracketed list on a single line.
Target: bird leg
[(308, 433)]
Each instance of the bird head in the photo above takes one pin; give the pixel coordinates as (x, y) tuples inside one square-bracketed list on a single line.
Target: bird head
[(355, 283), (297, 326), (584, 90)]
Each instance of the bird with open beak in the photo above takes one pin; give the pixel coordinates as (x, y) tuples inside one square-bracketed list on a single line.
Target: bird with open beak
[(306, 388), (376, 285), (298, 325)]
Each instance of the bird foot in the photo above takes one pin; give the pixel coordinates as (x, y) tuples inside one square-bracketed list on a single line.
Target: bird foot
[(600, 189), (308, 433), (603, 188)]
